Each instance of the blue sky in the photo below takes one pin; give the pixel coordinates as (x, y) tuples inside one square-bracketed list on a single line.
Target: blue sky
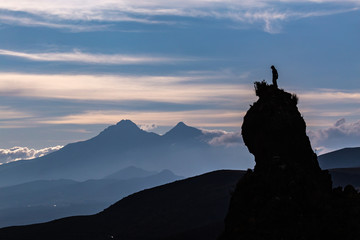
[(70, 68)]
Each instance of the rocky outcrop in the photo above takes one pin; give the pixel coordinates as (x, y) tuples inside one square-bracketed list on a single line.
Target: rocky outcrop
[(287, 196)]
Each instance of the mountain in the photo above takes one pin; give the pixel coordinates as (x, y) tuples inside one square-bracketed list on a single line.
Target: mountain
[(343, 165), (45, 200), (343, 158), (130, 172), (193, 208), (182, 132), (183, 150)]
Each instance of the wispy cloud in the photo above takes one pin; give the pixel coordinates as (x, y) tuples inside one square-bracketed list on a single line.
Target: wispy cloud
[(81, 57), (24, 153), (321, 96), (269, 13), (220, 101), (7, 113), (225, 101), (199, 118), (117, 88), (322, 107), (31, 22)]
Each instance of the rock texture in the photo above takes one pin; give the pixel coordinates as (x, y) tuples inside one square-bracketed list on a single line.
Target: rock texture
[(287, 196)]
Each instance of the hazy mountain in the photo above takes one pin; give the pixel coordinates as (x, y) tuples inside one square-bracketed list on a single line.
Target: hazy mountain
[(182, 133), (45, 200), (130, 172), (183, 150), (343, 158), (193, 208)]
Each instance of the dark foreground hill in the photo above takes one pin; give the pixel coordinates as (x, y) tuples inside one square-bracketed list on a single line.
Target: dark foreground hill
[(344, 166), (345, 176), (343, 158), (193, 208)]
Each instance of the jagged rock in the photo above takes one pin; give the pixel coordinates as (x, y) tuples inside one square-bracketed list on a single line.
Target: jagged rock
[(287, 196)]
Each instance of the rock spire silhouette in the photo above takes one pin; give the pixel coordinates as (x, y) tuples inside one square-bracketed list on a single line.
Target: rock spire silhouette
[(287, 196)]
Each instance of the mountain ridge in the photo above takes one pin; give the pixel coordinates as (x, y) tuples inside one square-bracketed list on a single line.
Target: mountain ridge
[(120, 146), (342, 158), (52, 199), (199, 209)]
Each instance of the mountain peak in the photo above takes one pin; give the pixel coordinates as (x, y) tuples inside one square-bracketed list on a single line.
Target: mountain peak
[(126, 123), (183, 131), (124, 127), (181, 125)]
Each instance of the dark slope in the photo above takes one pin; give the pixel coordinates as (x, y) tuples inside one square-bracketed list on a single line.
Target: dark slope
[(46, 200), (345, 176), (344, 166), (343, 158), (184, 209)]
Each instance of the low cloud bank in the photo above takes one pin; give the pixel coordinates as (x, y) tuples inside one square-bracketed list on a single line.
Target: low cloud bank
[(148, 127), (24, 153), (340, 135), (223, 138)]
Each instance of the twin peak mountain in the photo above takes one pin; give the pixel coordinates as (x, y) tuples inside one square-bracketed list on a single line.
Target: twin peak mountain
[(127, 128), (117, 147)]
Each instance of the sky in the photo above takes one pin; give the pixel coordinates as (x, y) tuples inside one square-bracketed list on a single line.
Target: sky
[(70, 68)]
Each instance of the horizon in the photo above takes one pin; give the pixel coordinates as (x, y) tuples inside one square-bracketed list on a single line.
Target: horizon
[(69, 72)]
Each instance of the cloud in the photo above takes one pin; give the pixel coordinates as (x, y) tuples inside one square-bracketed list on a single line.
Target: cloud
[(227, 139), (175, 89), (217, 103), (148, 127), (273, 17), (197, 118), (24, 153), (222, 138), (30, 22), (340, 135), (269, 13), (80, 57), (329, 96), (322, 107), (13, 118), (7, 113)]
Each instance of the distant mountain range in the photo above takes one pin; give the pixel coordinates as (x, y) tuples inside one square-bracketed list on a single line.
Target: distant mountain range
[(188, 209), (86, 177), (184, 150), (193, 208), (46, 200)]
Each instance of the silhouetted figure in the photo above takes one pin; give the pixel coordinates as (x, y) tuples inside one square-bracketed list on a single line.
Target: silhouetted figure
[(274, 75)]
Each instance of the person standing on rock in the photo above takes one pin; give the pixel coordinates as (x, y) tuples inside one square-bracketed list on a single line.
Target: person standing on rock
[(274, 76)]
